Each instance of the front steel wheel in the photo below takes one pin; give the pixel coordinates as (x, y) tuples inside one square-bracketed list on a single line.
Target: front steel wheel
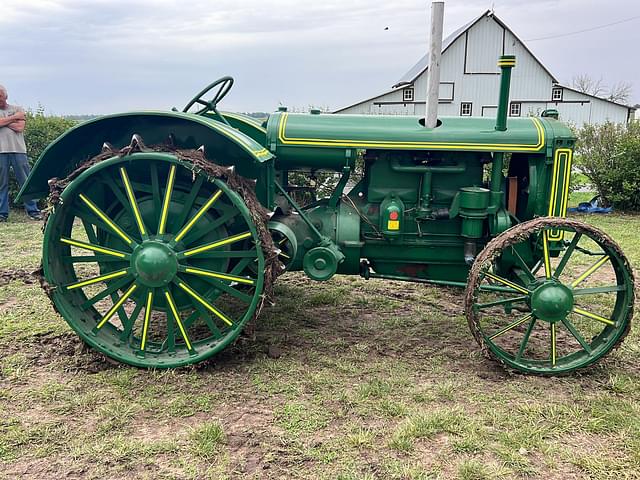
[(550, 296), (149, 262)]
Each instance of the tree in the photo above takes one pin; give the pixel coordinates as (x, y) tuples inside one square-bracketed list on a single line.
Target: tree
[(41, 130), (619, 92), (585, 84)]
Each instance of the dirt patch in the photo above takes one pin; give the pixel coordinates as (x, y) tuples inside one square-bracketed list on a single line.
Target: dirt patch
[(248, 429), (8, 275), (40, 468), (8, 304), (66, 349)]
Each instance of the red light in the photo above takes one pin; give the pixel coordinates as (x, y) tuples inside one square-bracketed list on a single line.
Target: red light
[(393, 215)]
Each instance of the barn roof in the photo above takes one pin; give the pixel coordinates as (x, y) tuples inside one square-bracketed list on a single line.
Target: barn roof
[(423, 64)]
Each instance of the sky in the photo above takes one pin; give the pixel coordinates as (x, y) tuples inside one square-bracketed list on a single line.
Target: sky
[(106, 56)]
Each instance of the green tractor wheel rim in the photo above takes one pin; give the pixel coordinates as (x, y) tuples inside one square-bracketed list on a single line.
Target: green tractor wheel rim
[(149, 262), (550, 296)]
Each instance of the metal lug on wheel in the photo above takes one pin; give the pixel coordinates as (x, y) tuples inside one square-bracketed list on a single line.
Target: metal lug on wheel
[(137, 144), (201, 150), (107, 147)]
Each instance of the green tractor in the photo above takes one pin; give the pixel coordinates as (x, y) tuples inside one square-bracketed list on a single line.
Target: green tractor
[(167, 230)]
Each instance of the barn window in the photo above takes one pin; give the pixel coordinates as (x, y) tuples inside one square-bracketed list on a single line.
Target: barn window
[(556, 94), (465, 109), (407, 94), (514, 111)]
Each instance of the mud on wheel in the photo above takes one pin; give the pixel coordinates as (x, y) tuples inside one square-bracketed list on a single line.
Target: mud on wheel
[(550, 296), (149, 262)]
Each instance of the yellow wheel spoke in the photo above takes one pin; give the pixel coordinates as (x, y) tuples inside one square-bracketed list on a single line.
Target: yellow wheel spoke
[(219, 243), (176, 316), (106, 219), (590, 270), (116, 306), (587, 314), (547, 259), (93, 248), (101, 278), (221, 276), (147, 318), (132, 201), (511, 326), (197, 216), (167, 200), (506, 282), (205, 304)]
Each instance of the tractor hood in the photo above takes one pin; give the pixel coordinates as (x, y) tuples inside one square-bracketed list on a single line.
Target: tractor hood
[(405, 133)]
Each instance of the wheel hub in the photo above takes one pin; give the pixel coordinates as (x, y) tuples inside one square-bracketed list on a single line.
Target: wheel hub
[(552, 302), (155, 263)]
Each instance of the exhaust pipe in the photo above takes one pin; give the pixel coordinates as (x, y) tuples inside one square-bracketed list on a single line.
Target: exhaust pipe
[(435, 52), (506, 63)]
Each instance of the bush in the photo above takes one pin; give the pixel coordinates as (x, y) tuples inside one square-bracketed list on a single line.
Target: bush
[(40, 131), (609, 155)]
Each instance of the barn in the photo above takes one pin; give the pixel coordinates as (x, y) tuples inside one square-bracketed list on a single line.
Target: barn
[(469, 80)]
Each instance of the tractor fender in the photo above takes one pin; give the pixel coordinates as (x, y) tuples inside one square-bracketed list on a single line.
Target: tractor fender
[(247, 125), (223, 144)]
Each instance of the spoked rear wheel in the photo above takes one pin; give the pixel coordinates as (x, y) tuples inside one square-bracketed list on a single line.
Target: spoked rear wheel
[(148, 261), (550, 296)]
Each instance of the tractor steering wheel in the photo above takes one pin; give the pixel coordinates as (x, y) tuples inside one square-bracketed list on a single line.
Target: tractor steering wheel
[(211, 106)]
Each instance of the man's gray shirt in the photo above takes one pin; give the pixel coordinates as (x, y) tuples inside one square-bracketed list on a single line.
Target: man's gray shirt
[(10, 141)]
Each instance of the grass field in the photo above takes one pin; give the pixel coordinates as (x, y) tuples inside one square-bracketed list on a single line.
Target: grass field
[(349, 379)]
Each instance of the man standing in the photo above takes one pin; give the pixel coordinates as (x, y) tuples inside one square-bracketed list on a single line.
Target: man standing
[(13, 153)]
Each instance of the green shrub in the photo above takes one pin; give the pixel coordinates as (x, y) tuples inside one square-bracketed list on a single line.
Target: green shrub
[(609, 155), (40, 131)]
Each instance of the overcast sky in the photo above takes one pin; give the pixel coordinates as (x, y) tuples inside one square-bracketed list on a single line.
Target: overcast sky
[(102, 56)]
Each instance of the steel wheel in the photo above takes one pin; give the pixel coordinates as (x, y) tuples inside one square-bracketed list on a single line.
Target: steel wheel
[(147, 261), (550, 296)]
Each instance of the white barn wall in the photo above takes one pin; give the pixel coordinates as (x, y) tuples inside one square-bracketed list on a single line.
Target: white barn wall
[(601, 109), (530, 81), (484, 41), (573, 113)]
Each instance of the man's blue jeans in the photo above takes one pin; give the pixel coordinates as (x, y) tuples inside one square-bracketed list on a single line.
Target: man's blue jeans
[(20, 165)]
